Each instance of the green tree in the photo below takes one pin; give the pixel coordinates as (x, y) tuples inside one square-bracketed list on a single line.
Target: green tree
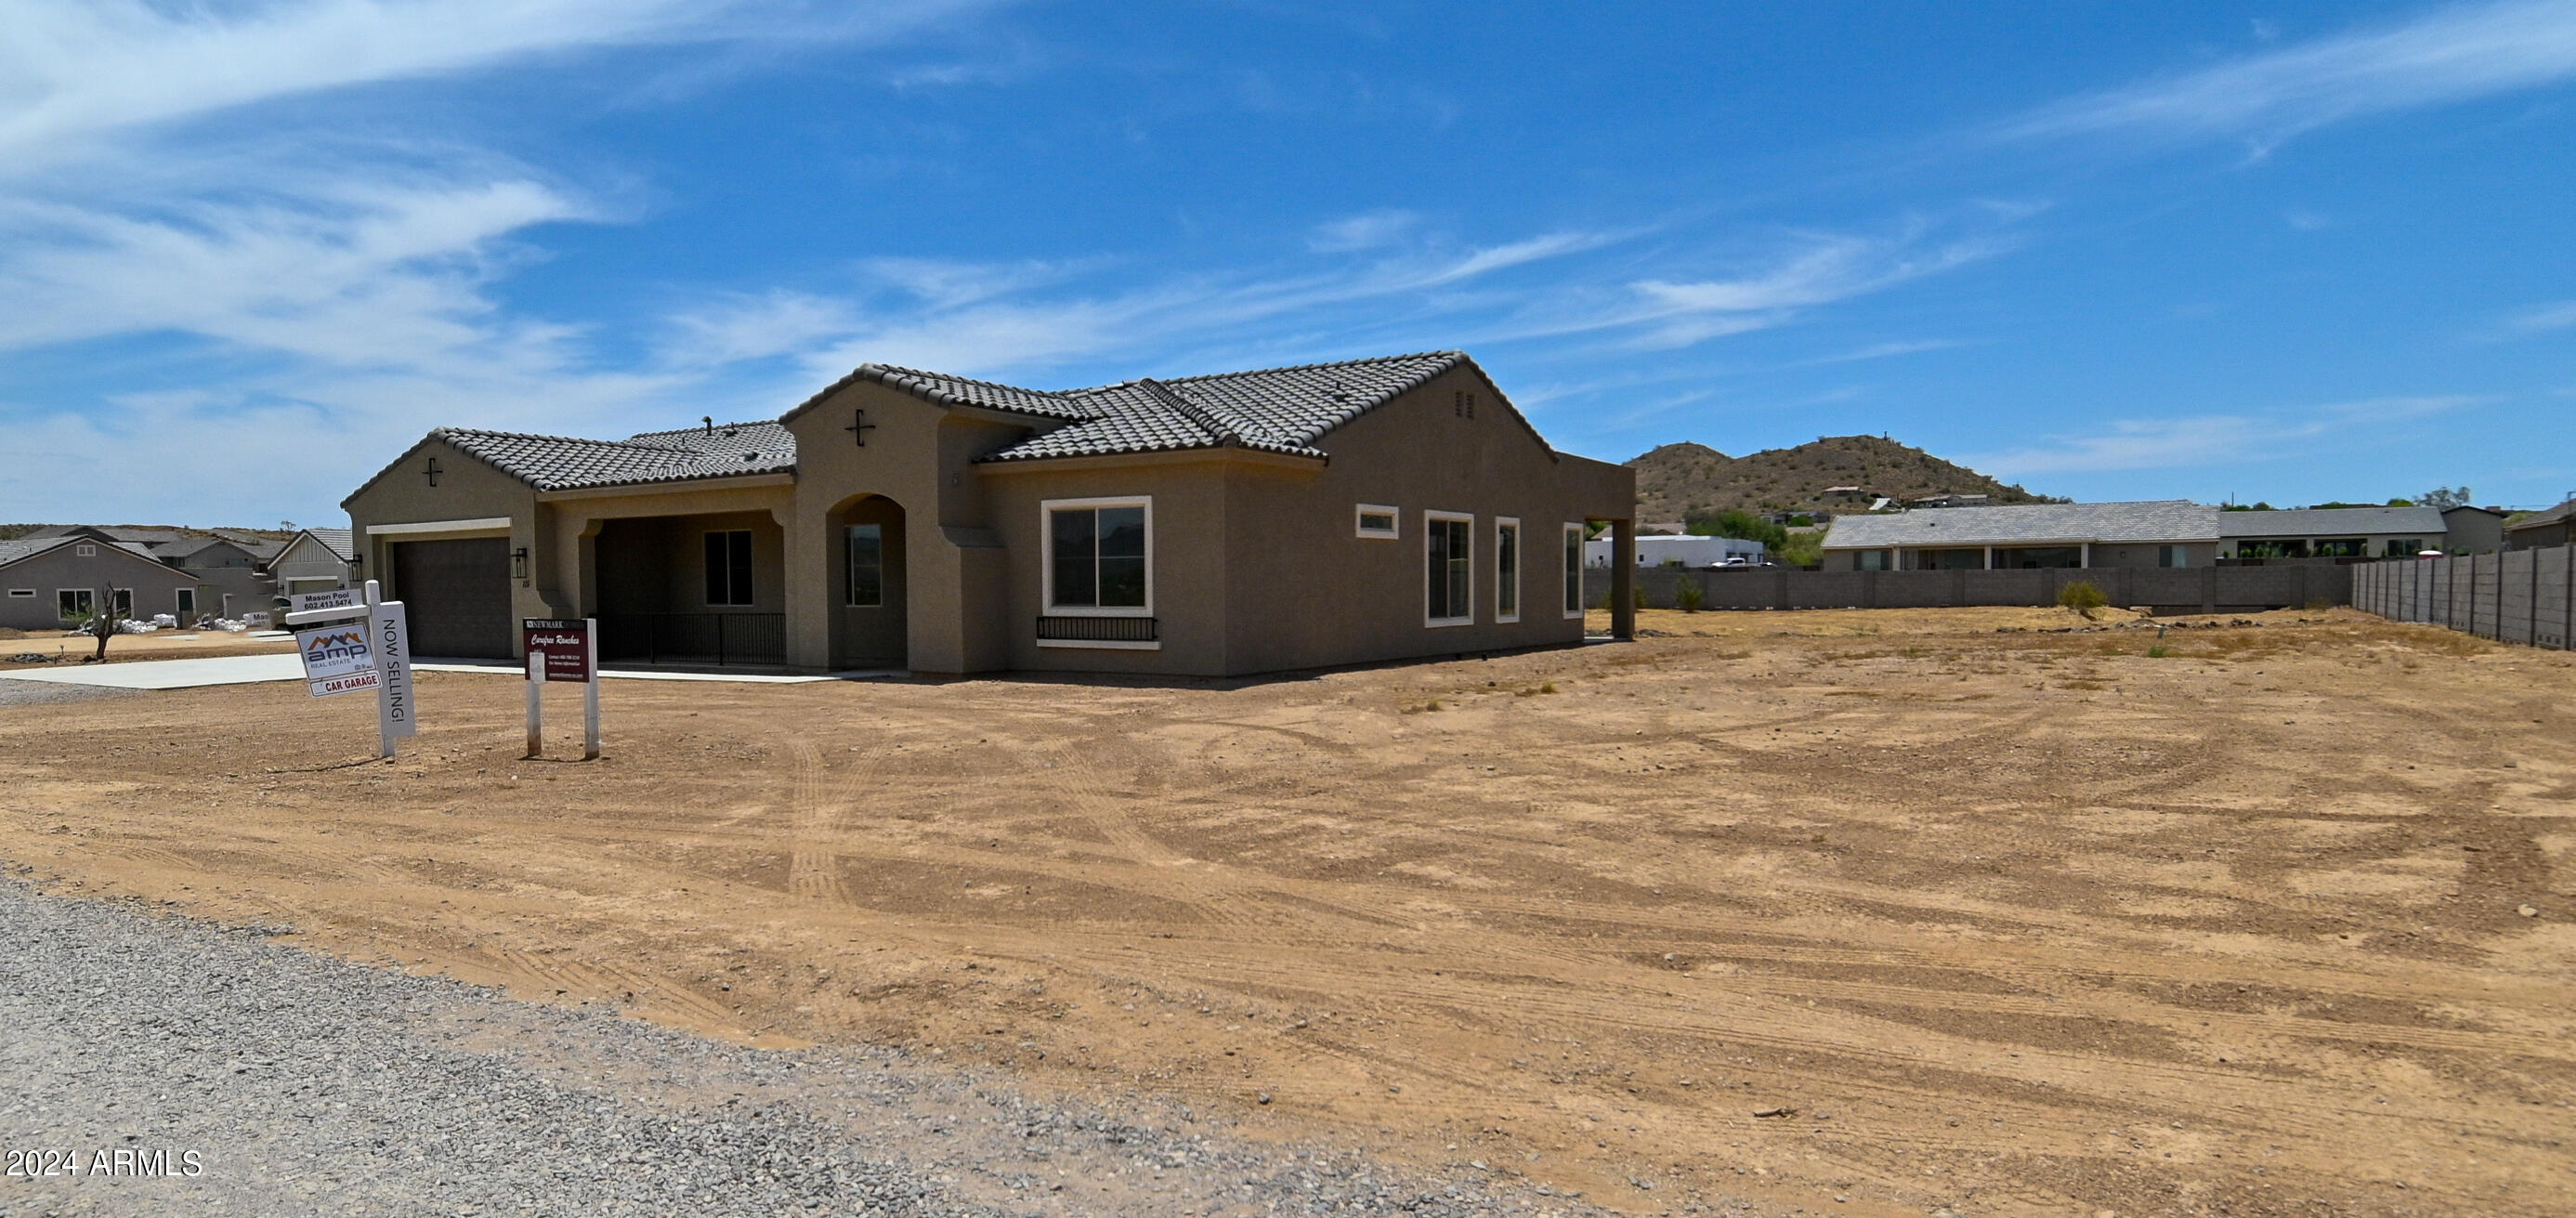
[(2444, 497)]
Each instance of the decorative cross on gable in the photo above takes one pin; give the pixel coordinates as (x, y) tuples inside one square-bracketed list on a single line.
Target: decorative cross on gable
[(860, 427), (432, 472)]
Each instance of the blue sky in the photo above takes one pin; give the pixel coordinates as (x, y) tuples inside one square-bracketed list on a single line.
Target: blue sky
[(249, 251)]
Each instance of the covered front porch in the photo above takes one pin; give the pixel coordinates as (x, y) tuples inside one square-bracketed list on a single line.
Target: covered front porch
[(704, 589)]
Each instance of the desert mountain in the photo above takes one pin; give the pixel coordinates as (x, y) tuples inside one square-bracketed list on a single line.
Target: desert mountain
[(1678, 481)]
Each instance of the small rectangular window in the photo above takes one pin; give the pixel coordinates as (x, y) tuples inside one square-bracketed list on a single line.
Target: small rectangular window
[(1449, 554), (1574, 570), (1098, 556), (22, 592), (867, 566), (85, 551), (1507, 570), (729, 567), (1378, 520)]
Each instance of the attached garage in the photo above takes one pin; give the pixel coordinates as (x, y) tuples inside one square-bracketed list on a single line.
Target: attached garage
[(456, 593)]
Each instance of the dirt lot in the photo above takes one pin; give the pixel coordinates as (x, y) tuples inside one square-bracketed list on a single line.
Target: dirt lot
[(1997, 919), (66, 650)]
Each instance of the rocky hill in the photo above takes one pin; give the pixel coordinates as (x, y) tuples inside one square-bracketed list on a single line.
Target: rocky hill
[(1678, 481)]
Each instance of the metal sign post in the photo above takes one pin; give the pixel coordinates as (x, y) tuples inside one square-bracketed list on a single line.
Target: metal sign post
[(563, 649), (352, 656)]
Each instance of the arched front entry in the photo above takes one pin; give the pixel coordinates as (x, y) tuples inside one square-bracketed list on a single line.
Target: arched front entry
[(866, 547)]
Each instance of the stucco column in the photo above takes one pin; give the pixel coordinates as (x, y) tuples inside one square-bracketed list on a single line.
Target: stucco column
[(1623, 579), (1990, 558), (806, 591)]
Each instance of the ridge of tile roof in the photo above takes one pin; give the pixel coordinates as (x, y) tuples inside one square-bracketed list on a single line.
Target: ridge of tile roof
[(940, 388), (1281, 410), (560, 463)]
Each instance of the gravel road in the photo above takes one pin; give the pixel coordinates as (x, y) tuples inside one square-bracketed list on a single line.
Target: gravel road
[(277, 1081)]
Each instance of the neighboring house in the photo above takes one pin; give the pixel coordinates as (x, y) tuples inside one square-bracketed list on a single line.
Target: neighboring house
[(47, 582), (2472, 530), (1677, 551), (2365, 532), (1246, 522), (2542, 529), (315, 560), (2157, 533), (230, 572)]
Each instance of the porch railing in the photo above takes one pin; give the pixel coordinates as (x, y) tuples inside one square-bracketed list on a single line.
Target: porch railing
[(696, 638)]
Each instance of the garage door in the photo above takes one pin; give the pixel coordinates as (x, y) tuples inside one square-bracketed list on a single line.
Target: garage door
[(457, 595)]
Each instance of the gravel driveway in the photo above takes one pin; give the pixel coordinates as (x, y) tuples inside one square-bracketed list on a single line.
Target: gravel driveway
[(254, 1077)]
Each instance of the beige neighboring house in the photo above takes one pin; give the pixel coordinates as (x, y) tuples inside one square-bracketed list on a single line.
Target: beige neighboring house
[(2151, 533), (2554, 527), (315, 560), (1329, 514), (47, 582), (2355, 532)]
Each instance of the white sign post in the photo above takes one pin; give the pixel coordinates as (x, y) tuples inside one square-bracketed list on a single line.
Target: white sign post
[(377, 658)]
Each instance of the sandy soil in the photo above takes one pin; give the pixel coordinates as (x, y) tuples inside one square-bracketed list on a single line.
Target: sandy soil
[(1990, 917), (159, 645)]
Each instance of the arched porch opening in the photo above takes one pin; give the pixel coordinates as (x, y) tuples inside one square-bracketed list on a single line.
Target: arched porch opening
[(868, 588)]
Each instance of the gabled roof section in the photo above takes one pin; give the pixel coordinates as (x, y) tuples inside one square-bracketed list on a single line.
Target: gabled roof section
[(2325, 522), (2538, 520), (941, 389), (338, 541), (1281, 410), (562, 463), (28, 547), (2157, 520)]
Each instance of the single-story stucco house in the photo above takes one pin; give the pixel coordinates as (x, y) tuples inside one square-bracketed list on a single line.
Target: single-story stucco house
[(1247, 522), (46, 583), (2151, 533)]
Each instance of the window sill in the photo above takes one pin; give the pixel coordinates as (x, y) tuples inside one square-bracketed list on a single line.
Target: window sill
[(1436, 623), (1101, 644)]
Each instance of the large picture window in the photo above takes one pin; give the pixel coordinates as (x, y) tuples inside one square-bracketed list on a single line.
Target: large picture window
[(1574, 570), (867, 566), (729, 567), (1099, 556), (1507, 570), (1449, 554), (73, 604)]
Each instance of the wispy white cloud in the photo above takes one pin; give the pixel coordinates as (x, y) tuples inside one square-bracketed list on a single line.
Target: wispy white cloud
[(2215, 439), (2450, 55), (1365, 231), (2540, 319), (74, 70)]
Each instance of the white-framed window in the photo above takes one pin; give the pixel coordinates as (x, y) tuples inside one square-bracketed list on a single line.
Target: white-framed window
[(73, 603), (22, 592), (729, 567), (1871, 560), (865, 586), (1574, 536), (1099, 556), (85, 551), (1507, 569), (1449, 569), (1379, 521), (2173, 556), (185, 602)]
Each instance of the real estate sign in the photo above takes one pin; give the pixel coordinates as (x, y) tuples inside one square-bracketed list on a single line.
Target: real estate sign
[(565, 644), (333, 598), (337, 659)]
